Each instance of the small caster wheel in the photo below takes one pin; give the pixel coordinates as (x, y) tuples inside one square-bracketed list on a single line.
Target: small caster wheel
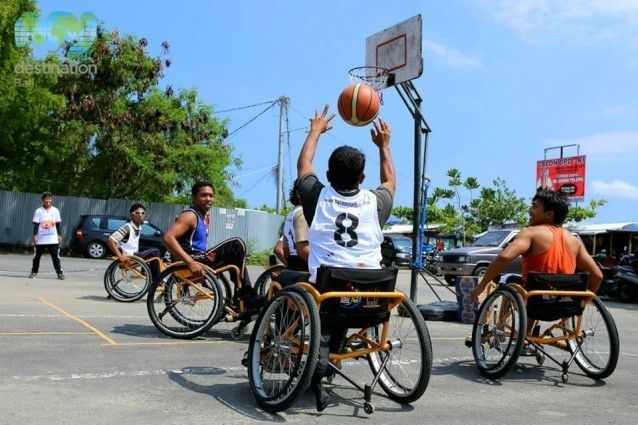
[(368, 408), (238, 332), (468, 342), (564, 378), (244, 360), (540, 358)]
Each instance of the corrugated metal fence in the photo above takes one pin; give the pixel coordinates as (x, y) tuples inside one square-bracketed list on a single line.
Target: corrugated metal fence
[(259, 229)]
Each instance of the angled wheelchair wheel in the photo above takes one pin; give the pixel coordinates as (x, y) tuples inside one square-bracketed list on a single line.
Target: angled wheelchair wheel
[(127, 282), (183, 307), (599, 348), (407, 373), (283, 349), (265, 279), (499, 330)]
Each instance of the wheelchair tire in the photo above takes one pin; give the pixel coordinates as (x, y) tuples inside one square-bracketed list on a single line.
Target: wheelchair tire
[(127, 284), (180, 311), (277, 376), (500, 325), (265, 279), (414, 353), (600, 348)]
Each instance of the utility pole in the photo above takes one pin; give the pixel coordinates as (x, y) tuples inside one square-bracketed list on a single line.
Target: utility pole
[(283, 131)]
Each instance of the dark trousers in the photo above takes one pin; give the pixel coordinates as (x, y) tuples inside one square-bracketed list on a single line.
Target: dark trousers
[(54, 250), (229, 252), (153, 265)]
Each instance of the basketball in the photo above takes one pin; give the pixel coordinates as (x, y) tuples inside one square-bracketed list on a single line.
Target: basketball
[(359, 104)]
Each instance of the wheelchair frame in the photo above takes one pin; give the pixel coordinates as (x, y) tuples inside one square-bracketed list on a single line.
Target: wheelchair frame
[(360, 343), (572, 340), (225, 307), (111, 282)]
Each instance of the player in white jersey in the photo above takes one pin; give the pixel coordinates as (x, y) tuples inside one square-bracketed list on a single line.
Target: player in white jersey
[(345, 221), (295, 235), (126, 240), (47, 235)]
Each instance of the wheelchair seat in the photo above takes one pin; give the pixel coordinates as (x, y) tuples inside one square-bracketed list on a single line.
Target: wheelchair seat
[(355, 312), (548, 307)]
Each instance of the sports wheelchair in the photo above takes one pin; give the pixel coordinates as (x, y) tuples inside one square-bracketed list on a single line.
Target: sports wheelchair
[(183, 306), (287, 344), (129, 280), (580, 324)]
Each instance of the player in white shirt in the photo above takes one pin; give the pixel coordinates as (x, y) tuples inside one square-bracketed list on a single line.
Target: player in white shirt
[(126, 240), (46, 235), (345, 221)]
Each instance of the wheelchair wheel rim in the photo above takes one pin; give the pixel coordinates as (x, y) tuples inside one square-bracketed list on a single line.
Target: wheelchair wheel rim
[(496, 331), (279, 351), (596, 347)]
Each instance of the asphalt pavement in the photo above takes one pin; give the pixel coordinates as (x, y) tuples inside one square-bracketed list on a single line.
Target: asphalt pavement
[(68, 355)]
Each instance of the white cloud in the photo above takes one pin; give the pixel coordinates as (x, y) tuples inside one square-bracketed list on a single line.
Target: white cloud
[(617, 188), (582, 20), (452, 57), (606, 145)]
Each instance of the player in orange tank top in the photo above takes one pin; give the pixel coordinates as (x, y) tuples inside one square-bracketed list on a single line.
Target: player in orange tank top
[(545, 246), (556, 259)]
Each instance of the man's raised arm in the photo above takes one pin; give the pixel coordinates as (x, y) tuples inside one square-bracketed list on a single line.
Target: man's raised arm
[(381, 138), (318, 125)]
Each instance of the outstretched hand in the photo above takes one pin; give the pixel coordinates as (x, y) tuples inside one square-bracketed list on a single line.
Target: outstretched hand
[(321, 123), (381, 133)]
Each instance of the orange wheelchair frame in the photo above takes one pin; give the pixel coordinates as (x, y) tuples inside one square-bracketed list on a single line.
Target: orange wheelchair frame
[(284, 347), (500, 331)]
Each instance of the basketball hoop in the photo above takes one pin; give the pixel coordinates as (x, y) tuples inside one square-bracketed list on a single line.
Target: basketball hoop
[(374, 76)]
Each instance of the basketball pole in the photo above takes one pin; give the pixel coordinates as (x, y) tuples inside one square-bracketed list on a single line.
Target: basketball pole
[(412, 100)]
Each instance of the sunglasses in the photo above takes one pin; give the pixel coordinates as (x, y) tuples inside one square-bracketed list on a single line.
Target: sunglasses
[(139, 212)]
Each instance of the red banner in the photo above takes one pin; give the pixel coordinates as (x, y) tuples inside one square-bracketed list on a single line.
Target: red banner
[(566, 175)]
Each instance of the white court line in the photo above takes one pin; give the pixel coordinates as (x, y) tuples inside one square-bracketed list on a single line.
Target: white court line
[(126, 374)]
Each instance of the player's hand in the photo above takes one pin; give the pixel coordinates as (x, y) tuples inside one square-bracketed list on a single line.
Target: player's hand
[(475, 293), (321, 123), (196, 269), (381, 133), (35, 239), (59, 239)]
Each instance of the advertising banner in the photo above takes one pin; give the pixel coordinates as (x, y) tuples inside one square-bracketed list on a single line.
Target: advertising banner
[(566, 175)]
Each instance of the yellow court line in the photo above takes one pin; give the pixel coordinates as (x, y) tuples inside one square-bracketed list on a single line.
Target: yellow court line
[(77, 319), (43, 333)]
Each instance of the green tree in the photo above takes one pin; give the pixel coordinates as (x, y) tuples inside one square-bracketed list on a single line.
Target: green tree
[(577, 213), (112, 132)]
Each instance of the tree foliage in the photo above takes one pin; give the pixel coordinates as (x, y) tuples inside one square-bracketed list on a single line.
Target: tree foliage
[(109, 133), (468, 215)]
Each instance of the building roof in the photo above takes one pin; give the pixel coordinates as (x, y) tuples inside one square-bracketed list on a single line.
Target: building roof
[(595, 229)]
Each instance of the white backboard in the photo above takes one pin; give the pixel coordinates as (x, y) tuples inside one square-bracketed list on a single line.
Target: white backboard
[(398, 49)]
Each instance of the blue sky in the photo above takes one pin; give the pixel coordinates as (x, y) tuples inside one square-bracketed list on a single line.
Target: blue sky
[(502, 80)]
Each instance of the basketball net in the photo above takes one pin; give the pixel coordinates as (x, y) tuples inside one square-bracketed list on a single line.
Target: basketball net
[(374, 76)]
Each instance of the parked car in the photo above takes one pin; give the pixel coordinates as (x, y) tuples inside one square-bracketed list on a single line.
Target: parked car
[(396, 250), (473, 260), (93, 230)]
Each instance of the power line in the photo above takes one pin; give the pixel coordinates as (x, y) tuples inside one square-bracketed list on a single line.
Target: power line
[(259, 180), (246, 107), (252, 119)]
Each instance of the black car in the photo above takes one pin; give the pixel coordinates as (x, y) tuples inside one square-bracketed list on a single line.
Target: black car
[(396, 250), (93, 230)]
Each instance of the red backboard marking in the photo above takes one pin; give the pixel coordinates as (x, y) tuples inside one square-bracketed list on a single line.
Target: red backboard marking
[(405, 51)]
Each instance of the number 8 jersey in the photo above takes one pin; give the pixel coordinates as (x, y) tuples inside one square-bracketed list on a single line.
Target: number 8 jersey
[(345, 232)]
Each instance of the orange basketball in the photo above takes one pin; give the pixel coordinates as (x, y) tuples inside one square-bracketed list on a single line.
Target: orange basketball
[(359, 104)]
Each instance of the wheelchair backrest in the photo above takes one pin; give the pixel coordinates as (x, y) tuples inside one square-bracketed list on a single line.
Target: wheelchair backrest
[(548, 307), (355, 312)]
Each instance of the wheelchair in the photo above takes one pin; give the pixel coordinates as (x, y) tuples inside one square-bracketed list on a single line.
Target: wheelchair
[(287, 345), (183, 306), (578, 323), (129, 281)]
